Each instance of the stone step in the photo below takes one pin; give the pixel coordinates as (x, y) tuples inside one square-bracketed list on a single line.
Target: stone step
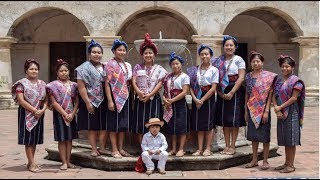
[(81, 156)]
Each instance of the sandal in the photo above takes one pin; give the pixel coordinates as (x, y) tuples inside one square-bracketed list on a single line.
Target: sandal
[(104, 151), (280, 167), (288, 169), (224, 150), (64, 167), (230, 151), (206, 152), (95, 153), (197, 153), (180, 153), (265, 166), (116, 154), (171, 153), (250, 165), (72, 166), (34, 168), (124, 153)]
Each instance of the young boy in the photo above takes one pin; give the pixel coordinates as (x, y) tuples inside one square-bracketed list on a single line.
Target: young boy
[(154, 145)]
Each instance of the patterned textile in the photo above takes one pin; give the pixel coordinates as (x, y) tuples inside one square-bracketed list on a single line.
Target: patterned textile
[(258, 97), (92, 78), (32, 95), (64, 95), (148, 77), (167, 111), (283, 92), (223, 75), (192, 72), (117, 81)]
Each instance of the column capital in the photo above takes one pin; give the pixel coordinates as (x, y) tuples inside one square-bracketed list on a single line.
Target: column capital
[(208, 39), (103, 40), (5, 42), (311, 41)]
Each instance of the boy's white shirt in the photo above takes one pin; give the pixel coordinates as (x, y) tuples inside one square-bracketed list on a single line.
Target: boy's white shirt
[(149, 142)]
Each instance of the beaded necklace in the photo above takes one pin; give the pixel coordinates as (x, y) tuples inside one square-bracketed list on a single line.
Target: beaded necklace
[(173, 78), (126, 73)]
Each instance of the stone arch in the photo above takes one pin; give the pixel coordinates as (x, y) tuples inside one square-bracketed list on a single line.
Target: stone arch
[(268, 31), (154, 20), (46, 34)]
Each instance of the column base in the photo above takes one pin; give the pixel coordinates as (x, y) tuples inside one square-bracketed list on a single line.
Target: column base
[(312, 97), (6, 101)]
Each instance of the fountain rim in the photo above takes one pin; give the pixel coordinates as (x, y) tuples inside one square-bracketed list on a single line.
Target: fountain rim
[(164, 40)]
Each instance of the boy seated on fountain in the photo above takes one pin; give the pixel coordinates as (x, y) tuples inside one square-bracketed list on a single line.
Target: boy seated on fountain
[(154, 146)]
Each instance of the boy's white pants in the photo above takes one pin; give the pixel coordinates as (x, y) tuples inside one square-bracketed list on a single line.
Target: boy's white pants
[(147, 159)]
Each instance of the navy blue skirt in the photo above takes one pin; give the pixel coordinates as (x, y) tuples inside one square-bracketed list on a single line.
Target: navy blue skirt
[(120, 122), (96, 121), (179, 123), (288, 130), (203, 119), (262, 134), (144, 111), (62, 132), (35, 136), (230, 113)]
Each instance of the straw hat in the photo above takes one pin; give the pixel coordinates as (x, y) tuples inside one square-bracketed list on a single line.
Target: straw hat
[(154, 121)]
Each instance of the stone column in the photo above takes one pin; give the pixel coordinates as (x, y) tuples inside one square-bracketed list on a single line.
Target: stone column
[(215, 42), (6, 101), (309, 67), (106, 43)]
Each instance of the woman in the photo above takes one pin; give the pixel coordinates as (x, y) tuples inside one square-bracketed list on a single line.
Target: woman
[(118, 89), (230, 100), (176, 113), (259, 90), (63, 96), (30, 94), (204, 79), (288, 100), (147, 81), (92, 101)]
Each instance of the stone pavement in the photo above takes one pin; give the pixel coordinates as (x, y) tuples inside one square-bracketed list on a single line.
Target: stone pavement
[(13, 159)]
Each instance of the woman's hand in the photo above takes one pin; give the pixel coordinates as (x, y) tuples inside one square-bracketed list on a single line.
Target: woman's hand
[(246, 116), (38, 114), (220, 94), (228, 96), (140, 94), (265, 117), (199, 103), (279, 115), (276, 108), (146, 97), (90, 108), (111, 106)]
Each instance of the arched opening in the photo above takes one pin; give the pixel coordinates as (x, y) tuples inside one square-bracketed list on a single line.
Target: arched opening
[(267, 32), (170, 23), (47, 34)]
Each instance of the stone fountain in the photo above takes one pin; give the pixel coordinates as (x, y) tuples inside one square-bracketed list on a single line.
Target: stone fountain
[(81, 148)]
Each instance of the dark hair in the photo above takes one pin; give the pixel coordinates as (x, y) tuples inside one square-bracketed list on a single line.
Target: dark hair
[(227, 37), (202, 47), (61, 62), (148, 44), (117, 43), (254, 54), (173, 57), (286, 59), (28, 63), (94, 44)]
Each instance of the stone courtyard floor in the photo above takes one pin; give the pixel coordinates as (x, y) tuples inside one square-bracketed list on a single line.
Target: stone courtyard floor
[(13, 159)]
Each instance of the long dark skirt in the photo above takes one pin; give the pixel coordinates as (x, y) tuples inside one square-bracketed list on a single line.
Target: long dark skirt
[(120, 122), (62, 132), (231, 113), (179, 123), (203, 119), (288, 130), (144, 111), (262, 134), (96, 121), (24, 136)]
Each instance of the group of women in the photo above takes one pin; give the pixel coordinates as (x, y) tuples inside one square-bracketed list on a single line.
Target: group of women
[(110, 99)]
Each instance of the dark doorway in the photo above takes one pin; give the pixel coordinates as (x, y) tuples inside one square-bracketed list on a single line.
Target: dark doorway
[(72, 52), (242, 51)]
